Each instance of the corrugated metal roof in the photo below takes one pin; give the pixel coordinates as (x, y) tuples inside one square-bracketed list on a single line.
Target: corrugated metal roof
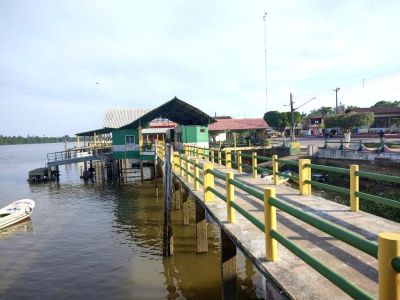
[(378, 110), (118, 117), (238, 124), (95, 131)]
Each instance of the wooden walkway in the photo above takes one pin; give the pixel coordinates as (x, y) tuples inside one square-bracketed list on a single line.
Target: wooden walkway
[(296, 278)]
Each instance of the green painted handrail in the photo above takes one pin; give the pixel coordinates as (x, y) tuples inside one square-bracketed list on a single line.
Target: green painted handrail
[(200, 181), (289, 162), (217, 193), (377, 176), (248, 216), (329, 187), (243, 186), (216, 173), (328, 169), (265, 158), (378, 199), (342, 283), (246, 155), (264, 170), (350, 238)]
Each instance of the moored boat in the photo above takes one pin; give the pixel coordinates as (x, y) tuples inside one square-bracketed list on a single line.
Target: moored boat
[(16, 212)]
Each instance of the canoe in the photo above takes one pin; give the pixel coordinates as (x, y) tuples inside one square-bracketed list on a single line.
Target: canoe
[(16, 212)]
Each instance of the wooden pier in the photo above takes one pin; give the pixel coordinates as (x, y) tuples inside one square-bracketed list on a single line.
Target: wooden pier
[(310, 247)]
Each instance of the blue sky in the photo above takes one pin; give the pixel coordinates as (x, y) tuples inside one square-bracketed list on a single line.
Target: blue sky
[(209, 53)]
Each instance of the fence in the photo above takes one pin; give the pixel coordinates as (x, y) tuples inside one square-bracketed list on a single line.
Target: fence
[(387, 250), (304, 178)]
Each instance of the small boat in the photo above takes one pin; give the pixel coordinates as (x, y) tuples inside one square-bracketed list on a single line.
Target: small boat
[(16, 212)]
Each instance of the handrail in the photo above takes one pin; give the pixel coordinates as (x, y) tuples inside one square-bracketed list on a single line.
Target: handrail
[(271, 234)]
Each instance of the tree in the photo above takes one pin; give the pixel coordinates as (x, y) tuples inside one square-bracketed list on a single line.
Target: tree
[(296, 116), (350, 108), (323, 110), (349, 121), (277, 120), (384, 103)]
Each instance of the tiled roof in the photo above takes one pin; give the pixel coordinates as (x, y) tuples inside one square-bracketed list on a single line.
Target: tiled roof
[(118, 117), (378, 110), (238, 124)]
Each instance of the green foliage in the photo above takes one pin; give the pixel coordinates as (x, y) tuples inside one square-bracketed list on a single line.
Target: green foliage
[(350, 120), (384, 103), (14, 140), (296, 116), (277, 120), (327, 110)]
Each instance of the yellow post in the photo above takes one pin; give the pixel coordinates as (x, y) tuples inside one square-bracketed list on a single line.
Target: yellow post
[(187, 169), (304, 174), (388, 278), (230, 196), (275, 169), (219, 157), (354, 187), (228, 162), (212, 156), (176, 162), (180, 165), (140, 137), (254, 163), (271, 246), (203, 152), (196, 174), (239, 161), (208, 181)]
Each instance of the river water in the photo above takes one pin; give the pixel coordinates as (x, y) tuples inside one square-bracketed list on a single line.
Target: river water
[(101, 241)]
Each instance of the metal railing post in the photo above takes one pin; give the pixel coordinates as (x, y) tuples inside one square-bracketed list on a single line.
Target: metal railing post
[(275, 168), (239, 161), (228, 159), (254, 163), (196, 174), (271, 245), (388, 277), (208, 181), (304, 174), (230, 196), (354, 188)]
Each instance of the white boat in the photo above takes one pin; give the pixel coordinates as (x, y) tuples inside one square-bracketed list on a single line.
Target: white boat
[(16, 212)]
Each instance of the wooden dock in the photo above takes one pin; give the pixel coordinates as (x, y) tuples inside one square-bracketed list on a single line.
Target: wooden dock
[(358, 266)]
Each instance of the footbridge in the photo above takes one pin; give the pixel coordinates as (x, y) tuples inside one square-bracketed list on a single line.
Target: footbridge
[(309, 247), (77, 155)]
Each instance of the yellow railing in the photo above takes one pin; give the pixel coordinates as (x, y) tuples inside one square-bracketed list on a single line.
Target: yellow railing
[(387, 250)]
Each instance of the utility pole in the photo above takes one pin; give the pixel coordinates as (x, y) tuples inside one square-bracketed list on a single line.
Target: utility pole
[(265, 59), (292, 118), (336, 90)]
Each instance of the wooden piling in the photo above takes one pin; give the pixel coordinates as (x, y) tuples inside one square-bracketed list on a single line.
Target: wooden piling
[(141, 171), (228, 267), (168, 237), (201, 228), (185, 204)]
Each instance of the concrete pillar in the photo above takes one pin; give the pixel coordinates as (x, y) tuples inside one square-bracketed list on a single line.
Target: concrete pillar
[(185, 203), (228, 267), (141, 171), (201, 228)]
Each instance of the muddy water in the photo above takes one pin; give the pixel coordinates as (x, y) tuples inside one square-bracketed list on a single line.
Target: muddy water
[(101, 241)]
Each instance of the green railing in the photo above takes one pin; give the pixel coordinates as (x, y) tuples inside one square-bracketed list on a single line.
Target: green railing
[(355, 240)]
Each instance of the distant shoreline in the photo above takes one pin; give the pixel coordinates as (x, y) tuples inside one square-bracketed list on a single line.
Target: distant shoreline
[(20, 140)]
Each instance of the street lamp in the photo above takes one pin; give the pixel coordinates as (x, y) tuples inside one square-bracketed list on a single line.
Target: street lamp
[(292, 110)]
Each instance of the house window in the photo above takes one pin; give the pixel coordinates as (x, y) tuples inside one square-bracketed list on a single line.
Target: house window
[(129, 139), (202, 130)]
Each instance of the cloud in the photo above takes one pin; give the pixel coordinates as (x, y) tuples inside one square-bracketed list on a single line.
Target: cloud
[(208, 53)]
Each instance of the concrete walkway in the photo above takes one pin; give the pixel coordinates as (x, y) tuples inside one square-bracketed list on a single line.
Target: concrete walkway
[(292, 275)]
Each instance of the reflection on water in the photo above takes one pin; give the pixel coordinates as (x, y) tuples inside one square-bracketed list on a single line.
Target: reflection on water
[(94, 240)]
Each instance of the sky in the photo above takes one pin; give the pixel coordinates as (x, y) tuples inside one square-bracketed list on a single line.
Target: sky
[(63, 63)]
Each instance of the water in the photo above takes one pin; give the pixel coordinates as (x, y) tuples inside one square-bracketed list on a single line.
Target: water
[(101, 241)]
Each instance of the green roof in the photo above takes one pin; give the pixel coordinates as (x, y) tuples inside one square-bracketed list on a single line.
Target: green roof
[(176, 111), (95, 131)]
